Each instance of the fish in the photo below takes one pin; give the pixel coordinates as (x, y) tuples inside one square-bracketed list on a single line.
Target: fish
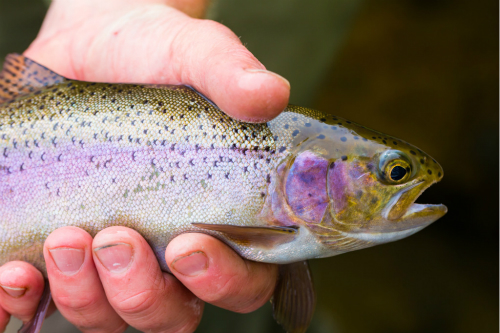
[(165, 160)]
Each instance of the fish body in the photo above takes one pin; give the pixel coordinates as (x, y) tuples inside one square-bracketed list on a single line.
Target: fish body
[(164, 160)]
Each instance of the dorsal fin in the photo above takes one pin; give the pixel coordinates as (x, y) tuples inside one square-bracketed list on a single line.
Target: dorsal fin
[(21, 75)]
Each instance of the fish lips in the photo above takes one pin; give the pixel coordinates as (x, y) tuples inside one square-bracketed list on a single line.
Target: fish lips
[(402, 217), (403, 210)]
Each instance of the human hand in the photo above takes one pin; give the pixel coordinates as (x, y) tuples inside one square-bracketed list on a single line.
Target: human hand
[(147, 41), (150, 42), (114, 280)]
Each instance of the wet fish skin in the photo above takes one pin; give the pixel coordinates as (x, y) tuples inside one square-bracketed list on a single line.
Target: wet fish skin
[(164, 160)]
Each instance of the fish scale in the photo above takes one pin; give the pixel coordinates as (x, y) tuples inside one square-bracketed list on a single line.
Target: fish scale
[(165, 160), (128, 160)]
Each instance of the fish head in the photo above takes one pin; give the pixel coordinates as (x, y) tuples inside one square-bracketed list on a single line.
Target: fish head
[(355, 186), (373, 198)]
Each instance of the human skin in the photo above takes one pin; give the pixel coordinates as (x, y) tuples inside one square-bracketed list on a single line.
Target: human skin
[(160, 42)]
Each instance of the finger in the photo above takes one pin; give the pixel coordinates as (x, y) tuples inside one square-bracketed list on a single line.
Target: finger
[(75, 284), (159, 44), (22, 286), (139, 291), (4, 319), (216, 274)]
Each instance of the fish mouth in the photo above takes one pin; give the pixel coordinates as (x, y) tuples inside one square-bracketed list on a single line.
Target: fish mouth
[(416, 218), (402, 207), (401, 217)]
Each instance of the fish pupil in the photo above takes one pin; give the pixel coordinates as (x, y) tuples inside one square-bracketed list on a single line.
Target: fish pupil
[(398, 172)]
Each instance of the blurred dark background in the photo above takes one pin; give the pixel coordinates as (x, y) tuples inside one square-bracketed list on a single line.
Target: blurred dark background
[(422, 70)]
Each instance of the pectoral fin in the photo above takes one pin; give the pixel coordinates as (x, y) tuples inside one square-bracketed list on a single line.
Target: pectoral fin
[(294, 298), (35, 324), (266, 237)]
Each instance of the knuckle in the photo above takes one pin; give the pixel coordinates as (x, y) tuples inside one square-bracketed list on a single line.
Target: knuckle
[(136, 303), (77, 304), (228, 288)]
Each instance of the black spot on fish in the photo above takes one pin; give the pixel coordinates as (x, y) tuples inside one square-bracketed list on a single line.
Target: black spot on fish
[(262, 194), (344, 158), (308, 124), (245, 169), (295, 133), (439, 174), (343, 139), (333, 127), (294, 118), (227, 175), (209, 176), (268, 179), (321, 136), (282, 149), (412, 152), (429, 172), (322, 120), (395, 143), (286, 126), (385, 142), (356, 138)]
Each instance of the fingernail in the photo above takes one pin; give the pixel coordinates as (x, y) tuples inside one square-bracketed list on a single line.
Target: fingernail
[(115, 257), (14, 292), (193, 264), (67, 259), (255, 70)]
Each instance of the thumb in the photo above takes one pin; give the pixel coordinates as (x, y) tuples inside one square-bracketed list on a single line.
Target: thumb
[(155, 43)]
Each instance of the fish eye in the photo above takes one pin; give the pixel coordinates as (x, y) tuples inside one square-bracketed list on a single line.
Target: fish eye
[(397, 173), (394, 167)]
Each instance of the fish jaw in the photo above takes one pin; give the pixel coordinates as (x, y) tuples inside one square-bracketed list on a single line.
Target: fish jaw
[(401, 217)]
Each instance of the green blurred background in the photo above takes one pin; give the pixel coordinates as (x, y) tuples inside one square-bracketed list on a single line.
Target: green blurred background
[(423, 70)]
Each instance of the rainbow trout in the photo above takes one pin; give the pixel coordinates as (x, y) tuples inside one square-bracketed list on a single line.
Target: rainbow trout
[(164, 160)]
